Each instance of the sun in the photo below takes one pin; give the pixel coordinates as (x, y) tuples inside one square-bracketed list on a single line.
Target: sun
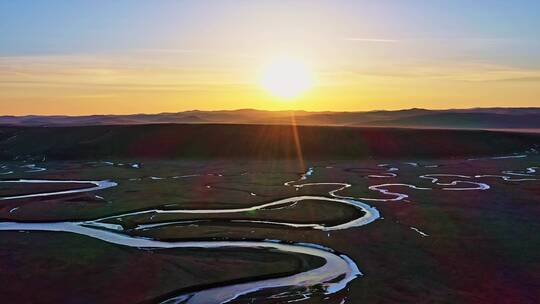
[(286, 78)]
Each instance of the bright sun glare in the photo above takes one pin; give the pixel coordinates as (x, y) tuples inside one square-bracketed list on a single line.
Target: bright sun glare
[(286, 78)]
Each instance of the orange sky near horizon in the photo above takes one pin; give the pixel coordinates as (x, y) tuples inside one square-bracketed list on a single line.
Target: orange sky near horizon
[(120, 84)]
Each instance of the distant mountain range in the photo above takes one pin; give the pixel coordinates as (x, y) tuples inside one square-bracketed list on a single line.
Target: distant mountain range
[(478, 118)]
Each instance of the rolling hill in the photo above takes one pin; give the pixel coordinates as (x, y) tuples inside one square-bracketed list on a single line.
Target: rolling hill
[(488, 118)]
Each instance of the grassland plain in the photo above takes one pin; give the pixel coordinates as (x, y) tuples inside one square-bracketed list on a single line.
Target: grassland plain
[(443, 236)]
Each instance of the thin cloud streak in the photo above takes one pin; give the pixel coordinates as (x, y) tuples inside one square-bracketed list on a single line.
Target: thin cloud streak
[(372, 40)]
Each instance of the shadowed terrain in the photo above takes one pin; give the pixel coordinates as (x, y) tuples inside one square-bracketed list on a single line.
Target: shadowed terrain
[(453, 230), (254, 142), (223, 213)]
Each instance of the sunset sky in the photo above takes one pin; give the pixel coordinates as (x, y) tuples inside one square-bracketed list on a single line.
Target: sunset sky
[(128, 56)]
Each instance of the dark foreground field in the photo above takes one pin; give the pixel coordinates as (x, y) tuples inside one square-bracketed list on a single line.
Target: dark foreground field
[(457, 222), (261, 142)]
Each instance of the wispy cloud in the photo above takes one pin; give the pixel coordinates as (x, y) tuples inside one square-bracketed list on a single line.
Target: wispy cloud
[(472, 72), (194, 52), (115, 72), (523, 79), (168, 51), (373, 40)]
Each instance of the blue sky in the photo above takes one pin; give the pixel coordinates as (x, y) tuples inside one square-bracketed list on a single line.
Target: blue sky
[(38, 26)]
